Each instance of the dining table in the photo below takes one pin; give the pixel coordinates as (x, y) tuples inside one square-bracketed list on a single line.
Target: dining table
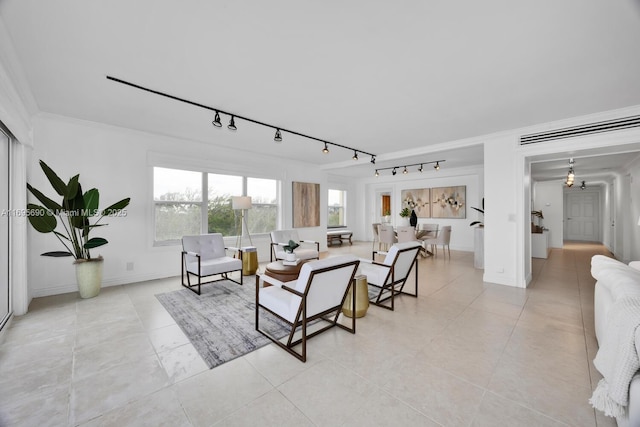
[(422, 234)]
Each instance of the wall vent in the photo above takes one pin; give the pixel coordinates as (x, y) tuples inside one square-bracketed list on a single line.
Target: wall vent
[(599, 127)]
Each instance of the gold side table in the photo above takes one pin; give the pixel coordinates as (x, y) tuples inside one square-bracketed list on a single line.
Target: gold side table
[(249, 260), (362, 297)]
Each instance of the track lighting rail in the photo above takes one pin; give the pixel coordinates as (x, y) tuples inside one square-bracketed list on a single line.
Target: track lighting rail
[(278, 129), (405, 171)]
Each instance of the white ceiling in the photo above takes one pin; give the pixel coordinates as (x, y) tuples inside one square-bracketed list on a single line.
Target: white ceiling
[(379, 76)]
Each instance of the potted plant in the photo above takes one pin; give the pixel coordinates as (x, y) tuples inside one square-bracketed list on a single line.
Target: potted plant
[(79, 214), (386, 216), (288, 250), (479, 223), (404, 214)]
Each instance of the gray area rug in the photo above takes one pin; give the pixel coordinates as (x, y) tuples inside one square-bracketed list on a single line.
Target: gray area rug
[(220, 323)]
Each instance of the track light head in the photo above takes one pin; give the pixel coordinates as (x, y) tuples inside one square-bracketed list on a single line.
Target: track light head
[(393, 172), (373, 160), (420, 169), (583, 186), (216, 121), (325, 150), (405, 171), (355, 155), (377, 173), (437, 166), (278, 137), (232, 124)]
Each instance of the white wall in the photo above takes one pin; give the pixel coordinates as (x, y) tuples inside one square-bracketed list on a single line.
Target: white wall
[(119, 163), (549, 199), (504, 205), (16, 108), (634, 210)]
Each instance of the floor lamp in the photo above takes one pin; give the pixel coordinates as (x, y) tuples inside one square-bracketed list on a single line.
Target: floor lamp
[(242, 203)]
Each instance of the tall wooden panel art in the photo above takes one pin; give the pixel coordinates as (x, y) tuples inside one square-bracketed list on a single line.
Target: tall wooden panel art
[(306, 204)]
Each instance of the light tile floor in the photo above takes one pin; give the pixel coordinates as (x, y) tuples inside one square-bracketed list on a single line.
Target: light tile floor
[(464, 353)]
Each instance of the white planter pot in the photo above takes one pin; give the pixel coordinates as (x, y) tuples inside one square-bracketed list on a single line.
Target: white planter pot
[(289, 256), (404, 221), (89, 276)]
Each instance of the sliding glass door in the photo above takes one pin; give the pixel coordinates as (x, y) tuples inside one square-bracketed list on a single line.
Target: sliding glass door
[(5, 214)]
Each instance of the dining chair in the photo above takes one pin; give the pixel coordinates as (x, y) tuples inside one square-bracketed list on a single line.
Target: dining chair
[(443, 238), (405, 233), (376, 237), (387, 236)]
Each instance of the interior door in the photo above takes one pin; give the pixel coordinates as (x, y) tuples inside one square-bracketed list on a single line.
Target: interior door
[(583, 219), (5, 306)]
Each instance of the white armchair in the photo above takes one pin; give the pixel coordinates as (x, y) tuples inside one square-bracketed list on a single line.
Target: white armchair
[(390, 276), (205, 255), (317, 294), (308, 249)]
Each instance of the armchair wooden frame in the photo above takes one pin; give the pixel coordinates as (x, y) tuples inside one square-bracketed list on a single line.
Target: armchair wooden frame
[(301, 322), (274, 244), (280, 238), (206, 256), (187, 274), (393, 285)]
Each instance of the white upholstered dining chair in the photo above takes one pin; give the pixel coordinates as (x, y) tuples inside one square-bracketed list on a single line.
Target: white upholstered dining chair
[(376, 237), (387, 236), (443, 238)]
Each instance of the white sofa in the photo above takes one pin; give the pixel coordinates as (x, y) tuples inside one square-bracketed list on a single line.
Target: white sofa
[(614, 281)]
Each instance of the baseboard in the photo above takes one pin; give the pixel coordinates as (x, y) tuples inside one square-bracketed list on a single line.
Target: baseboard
[(501, 279), (113, 281)]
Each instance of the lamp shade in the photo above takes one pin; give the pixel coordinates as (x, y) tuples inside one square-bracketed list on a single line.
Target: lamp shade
[(240, 202)]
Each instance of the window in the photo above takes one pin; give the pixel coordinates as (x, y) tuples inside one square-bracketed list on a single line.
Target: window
[(263, 215), (177, 198), (191, 202), (336, 214), (220, 217)]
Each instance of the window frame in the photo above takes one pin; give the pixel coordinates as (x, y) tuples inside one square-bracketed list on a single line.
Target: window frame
[(204, 202), (343, 206)]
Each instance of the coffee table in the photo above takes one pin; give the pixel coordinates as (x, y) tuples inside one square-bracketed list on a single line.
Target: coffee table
[(283, 273)]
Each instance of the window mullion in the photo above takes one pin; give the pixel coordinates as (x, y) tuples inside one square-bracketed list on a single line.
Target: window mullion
[(204, 206)]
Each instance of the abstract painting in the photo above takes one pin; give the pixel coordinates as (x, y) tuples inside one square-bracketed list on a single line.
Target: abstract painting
[(418, 201), (449, 202)]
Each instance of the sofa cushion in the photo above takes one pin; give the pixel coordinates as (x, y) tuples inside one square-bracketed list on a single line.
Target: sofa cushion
[(599, 263), (622, 283), (210, 267)]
